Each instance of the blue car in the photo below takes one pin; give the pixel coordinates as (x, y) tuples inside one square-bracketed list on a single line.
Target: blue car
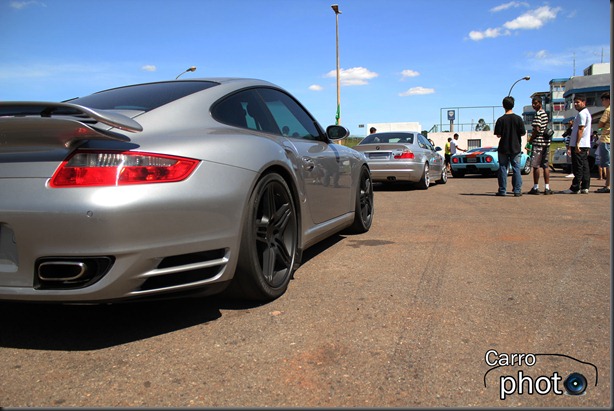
[(483, 160)]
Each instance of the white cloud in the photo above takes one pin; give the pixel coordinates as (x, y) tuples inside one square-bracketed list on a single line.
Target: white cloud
[(316, 87), (533, 19), (356, 76), (511, 4), (488, 33), (542, 54), (409, 73), (149, 67), (18, 5), (414, 91)]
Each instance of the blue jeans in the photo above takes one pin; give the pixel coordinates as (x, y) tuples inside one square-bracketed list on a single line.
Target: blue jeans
[(504, 162)]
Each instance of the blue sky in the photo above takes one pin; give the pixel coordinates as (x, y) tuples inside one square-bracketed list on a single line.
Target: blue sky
[(401, 60)]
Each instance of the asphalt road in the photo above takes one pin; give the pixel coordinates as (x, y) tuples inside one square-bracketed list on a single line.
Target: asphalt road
[(402, 316)]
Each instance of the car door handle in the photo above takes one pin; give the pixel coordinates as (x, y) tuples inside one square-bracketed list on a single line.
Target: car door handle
[(308, 163)]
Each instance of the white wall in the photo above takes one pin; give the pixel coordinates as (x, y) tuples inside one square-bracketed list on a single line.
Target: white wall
[(403, 126), (487, 138)]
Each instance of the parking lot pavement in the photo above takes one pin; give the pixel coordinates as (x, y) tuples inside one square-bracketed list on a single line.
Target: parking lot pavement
[(422, 311)]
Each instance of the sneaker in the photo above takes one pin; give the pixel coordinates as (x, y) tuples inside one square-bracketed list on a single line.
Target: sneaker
[(548, 191), (569, 176), (517, 194), (569, 191), (500, 194), (584, 191), (535, 191), (603, 190)]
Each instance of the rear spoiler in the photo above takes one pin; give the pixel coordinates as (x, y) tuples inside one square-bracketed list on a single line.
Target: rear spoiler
[(47, 109), (42, 124)]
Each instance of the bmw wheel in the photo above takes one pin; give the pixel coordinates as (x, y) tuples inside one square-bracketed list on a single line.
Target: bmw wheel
[(444, 177), (425, 181), (269, 251), (526, 170)]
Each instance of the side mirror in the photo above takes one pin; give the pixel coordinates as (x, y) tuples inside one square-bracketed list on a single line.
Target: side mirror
[(337, 132), (437, 148)]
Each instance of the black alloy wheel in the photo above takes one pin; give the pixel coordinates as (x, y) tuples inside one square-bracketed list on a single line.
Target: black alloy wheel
[(363, 213), (269, 251)]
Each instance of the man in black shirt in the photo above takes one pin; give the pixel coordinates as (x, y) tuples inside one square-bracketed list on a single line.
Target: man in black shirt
[(510, 129)]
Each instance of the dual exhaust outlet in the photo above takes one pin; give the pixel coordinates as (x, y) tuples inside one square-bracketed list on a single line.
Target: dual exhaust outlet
[(66, 273)]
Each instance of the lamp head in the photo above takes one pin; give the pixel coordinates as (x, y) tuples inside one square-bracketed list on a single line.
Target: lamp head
[(527, 78), (335, 8)]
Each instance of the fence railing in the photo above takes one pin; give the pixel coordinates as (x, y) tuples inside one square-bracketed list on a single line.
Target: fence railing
[(461, 127)]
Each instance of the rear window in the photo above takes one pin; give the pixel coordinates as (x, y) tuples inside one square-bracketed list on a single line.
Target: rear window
[(388, 138), (143, 97)]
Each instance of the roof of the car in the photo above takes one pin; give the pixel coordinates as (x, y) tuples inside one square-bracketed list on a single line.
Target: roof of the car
[(396, 132), (227, 80)]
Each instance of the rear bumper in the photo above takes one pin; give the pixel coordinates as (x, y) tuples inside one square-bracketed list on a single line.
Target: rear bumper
[(160, 238), (475, 168), (409, 173)]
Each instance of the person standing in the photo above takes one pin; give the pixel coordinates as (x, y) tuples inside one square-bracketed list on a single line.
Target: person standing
[(579, 146), (604, 142), (454, 145), (567, 135), (509, 128), (540, 147), (447, 154)]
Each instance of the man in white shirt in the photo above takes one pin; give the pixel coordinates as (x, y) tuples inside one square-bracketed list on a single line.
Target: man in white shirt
[(579, 146), (454, 145)]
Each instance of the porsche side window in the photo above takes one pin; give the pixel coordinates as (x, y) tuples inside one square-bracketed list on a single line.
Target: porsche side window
[(245, 110), (230, 111), (290, 117)]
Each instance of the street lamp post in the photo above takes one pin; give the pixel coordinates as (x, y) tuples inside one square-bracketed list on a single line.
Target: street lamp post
[(335, 8), (193, 68), (520, 79)]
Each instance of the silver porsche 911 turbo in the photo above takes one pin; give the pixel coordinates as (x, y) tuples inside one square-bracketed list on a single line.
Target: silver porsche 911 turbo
[(170, 188)]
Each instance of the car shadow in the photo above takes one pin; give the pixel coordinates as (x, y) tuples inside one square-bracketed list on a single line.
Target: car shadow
[(398, 186), (321, 246), (84, 327), (79, 327)]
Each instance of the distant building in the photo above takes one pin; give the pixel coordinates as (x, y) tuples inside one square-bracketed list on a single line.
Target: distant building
[(558, 102)]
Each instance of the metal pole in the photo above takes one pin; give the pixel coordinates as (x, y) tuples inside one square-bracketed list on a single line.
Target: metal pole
[(338, 116), (524, 78)]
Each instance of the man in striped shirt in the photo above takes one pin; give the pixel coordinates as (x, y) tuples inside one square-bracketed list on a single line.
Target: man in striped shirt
[(541, 147)]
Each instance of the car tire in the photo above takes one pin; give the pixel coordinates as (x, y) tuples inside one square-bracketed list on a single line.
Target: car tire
[(425, 181), (363, 212), (269, 252), (458, 174), (444, 177)]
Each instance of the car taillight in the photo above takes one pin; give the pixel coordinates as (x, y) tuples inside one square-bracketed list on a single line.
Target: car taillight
[(116, 168), (455, 160), (406, 154), (488, 159)]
